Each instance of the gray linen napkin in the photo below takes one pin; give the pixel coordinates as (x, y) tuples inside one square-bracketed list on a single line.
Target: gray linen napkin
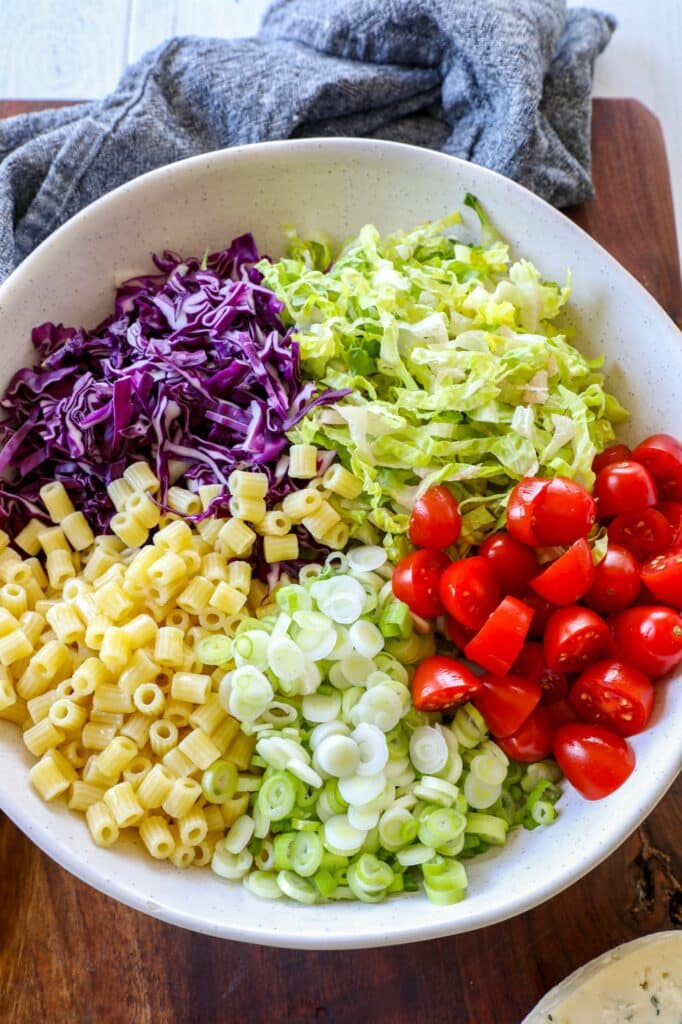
[(505, 83)]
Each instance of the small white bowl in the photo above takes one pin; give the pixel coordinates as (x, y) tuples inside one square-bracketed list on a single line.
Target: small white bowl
[(338, 185)]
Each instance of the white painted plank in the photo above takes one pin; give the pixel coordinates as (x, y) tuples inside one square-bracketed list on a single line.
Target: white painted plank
[(152, 21), (61, 49)]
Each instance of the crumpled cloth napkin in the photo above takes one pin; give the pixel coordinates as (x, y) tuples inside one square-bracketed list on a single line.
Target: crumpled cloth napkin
[(504, 83)]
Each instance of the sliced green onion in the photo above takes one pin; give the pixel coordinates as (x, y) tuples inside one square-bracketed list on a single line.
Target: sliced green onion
[(356, 668), (324, 882), (469, 726), (239, 835), (392, 667), (279, 713), (445, 881), (360, 789), (543, 812), (417, 854), (363, 816), (285, 659), (232, 866), (219, 782), (366, 558), (398, 743), (366, 638), (428, 750), (250, 693), (293, 598), (298, 768), (340, 837), (541, 770), (395, 621), (489, 769), (263, 884), (214, 650), (369, 878), (436, 791), (342, 599), (397, 828), (251, 648), (277, 796), (380, 706), (248, 783), (336, 801), (306, 853), (282, 849), (338, 755), (296, 888), (278, 751), (319, 708), (325, 729), (265, 858), (438, 825), (487, 827), (479, 794)]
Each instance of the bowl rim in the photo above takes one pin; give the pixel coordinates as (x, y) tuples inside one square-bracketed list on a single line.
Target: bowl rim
[(436, 927)]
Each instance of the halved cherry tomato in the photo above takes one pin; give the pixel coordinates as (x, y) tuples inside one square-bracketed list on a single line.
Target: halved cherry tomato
[(532, 664), (616, 453), (662, 456), (672, 510), (560, 712), (624, 487), (506, 702), (521, 509), (645, 533), (541, 612), (532, 741), (498, 642), (440, 683), (415, 581), (435, 521), (616, 581), (469, 591), (574, 638), (614, 694), (663, 576), (564, 512), (594, 760), (565, 580), (514, 563), (648, 637), (458, 633)]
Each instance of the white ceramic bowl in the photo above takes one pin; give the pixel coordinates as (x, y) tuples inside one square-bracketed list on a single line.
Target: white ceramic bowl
[(338, 185)]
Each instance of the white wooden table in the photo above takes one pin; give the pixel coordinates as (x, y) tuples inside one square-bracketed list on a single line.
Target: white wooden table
[(78, 48)]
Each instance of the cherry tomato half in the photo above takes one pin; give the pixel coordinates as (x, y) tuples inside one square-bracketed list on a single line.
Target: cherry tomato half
[(624, 487), (506, 702), (648, 637), (645, 533), (435, 521), (574, 638), (533, 740), (662, 456), (415, 581), (498, 642), (532, 664), (521, 509), (541, 612), (663, 576), (564, 512), (616, 453), (514, 563), (614, 694), (616, 581), (469, 591), (594, 760), (440, 683), (565, 580)]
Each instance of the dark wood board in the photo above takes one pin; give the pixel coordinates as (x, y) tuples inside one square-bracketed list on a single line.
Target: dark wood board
[(69, 955)]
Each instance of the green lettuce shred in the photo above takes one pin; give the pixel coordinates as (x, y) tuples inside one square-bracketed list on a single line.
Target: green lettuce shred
[(459, 372)]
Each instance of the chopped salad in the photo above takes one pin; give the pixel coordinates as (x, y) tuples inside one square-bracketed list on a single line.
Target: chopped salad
[(324, 571)]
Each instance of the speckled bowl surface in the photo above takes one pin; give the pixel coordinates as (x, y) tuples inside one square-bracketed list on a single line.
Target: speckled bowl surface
[(338, 185)]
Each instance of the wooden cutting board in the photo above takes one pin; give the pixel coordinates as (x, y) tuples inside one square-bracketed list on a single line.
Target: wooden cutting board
[(69, 955)]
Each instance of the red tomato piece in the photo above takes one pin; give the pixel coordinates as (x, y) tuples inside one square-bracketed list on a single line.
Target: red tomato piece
[(565, 580), (532, 741), (672, 510), (469, 591), (662, 456), (506, 702), (514, 563), (440, 683), (435, 521), (624, 487), (458, 633), (616, 453), (614, 694), (564, 512), (532, 664), (498, 643), (415, 581), (541, 612), (521, 509), (594, 760), (560, 712), (648, 637), (645, 533), (663, 576), (616, 581), (574, 638)]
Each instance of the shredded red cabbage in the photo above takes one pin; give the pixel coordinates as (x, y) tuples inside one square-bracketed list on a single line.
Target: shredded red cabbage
[(193, 372)]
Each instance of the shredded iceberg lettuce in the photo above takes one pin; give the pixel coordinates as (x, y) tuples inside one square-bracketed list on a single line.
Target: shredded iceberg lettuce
[(459, 373)]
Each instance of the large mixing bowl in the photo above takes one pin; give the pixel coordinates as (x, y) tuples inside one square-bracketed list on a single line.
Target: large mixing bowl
[(338, 185)]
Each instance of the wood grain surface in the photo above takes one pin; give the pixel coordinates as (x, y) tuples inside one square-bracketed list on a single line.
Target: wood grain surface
[(69, 955)]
